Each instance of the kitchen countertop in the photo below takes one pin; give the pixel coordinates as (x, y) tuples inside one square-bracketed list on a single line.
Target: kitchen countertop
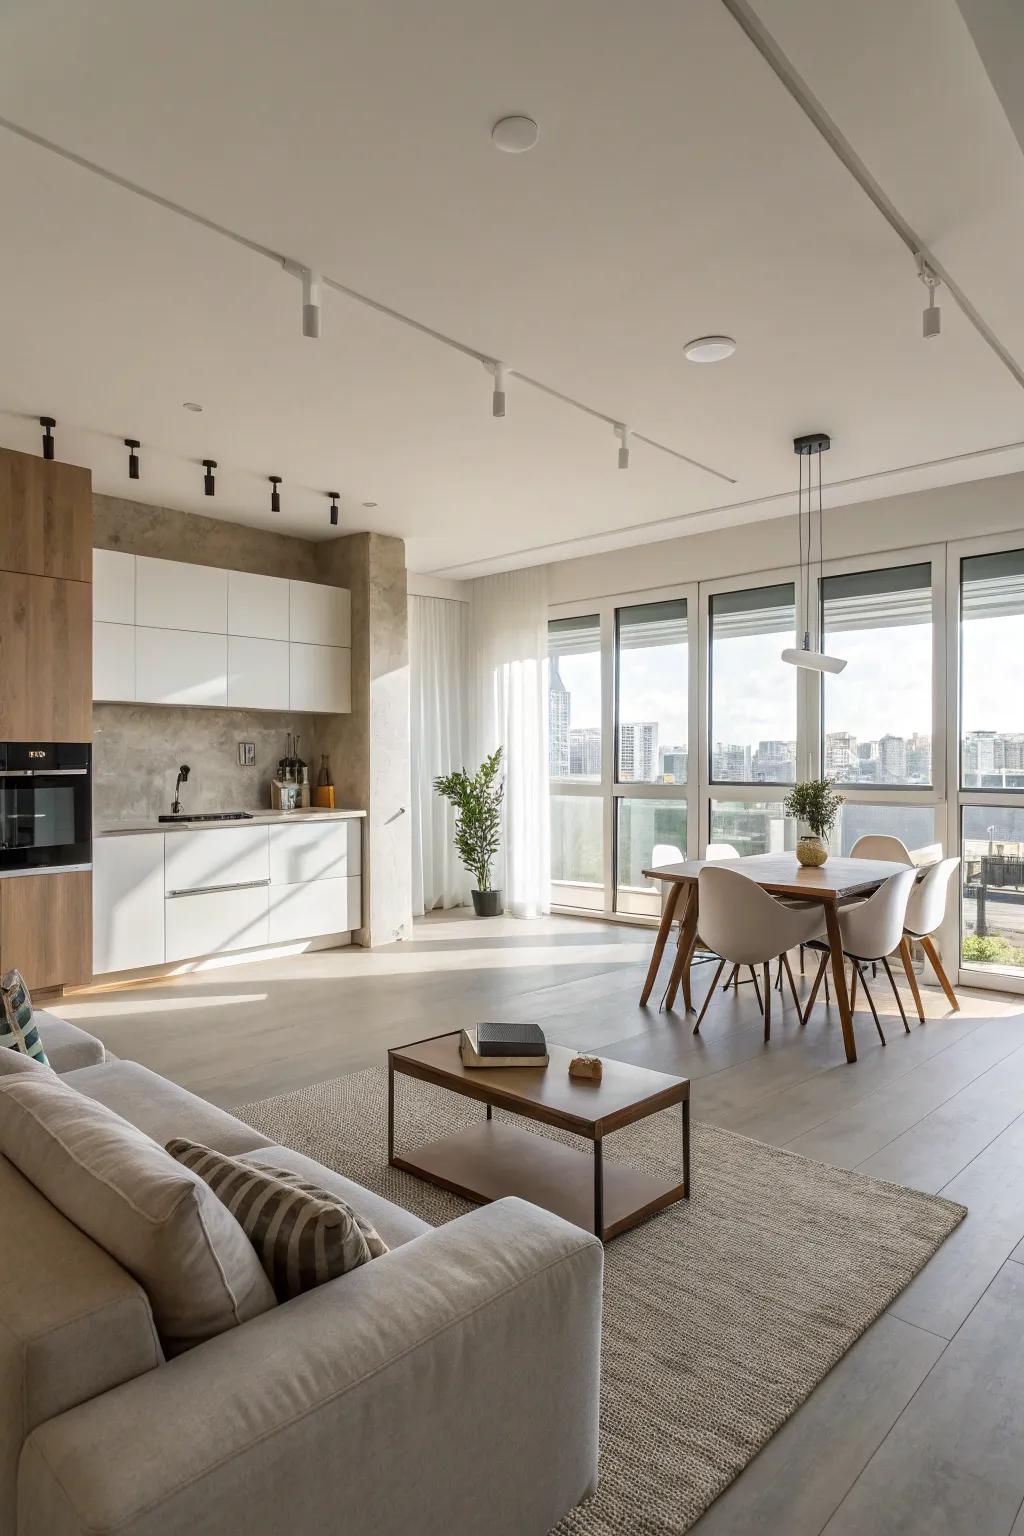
[(257, 819)]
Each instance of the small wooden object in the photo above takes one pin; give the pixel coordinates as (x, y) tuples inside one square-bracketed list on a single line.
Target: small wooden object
[(323, 796), (586, 1066)]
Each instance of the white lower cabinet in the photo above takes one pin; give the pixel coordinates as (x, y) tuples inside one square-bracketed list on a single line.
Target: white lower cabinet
[(311, 910), (209, 922), (113, 661), (128, 902), (325, 850), (221, 856), (180, 666)]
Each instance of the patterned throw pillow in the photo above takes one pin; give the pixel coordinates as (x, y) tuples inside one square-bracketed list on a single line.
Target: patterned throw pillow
[(17, 1031), (302, 1234)]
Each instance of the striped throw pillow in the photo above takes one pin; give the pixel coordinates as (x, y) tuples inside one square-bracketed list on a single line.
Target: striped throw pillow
[(302, 1234), (17, 1029)]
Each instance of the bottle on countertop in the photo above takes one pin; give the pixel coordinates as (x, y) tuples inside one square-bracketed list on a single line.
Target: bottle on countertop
[(323, 795)]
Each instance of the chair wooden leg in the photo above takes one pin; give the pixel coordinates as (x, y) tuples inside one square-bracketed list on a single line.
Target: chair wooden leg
[(757, 989), (767, 1001), (896, 993), (871, 1001), (792, 982), (710, 995), (802, 972), (733, 976), (908, 966), (854, 973), (814, 989), (933, 955)]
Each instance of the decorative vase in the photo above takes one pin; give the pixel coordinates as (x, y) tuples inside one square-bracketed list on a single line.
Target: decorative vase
[(487, 903), (811, 851)]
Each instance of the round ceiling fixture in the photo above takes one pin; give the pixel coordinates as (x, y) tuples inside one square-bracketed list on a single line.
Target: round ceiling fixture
[(709, 349), (369, 505), (191, 405), (515, 135)]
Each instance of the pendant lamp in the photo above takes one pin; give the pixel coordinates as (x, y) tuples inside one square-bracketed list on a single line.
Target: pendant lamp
[(810, 447)]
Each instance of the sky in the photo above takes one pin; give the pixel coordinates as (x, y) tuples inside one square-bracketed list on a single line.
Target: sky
[(886, 687)]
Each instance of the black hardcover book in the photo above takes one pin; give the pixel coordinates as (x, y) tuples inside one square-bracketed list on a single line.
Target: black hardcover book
[(510, 1040)]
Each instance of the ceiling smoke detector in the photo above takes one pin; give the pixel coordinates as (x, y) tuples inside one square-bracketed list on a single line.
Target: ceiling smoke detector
[(515, 135), (709, 349)]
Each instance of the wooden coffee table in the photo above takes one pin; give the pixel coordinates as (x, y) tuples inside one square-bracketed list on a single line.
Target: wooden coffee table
[(493, 1159)]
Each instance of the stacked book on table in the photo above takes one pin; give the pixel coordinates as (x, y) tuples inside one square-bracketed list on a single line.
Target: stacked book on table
[(503, 1045)]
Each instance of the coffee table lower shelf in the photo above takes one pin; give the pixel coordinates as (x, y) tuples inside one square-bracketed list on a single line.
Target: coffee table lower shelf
[(493, 1159)]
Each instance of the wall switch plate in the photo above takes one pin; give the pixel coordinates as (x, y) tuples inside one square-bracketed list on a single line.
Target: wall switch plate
[(247, 754)]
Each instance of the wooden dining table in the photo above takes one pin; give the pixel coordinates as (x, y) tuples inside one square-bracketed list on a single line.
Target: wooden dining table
[(780, 874)]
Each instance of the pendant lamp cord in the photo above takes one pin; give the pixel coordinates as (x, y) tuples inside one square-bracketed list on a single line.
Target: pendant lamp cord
[(821, 555), (800, 538)]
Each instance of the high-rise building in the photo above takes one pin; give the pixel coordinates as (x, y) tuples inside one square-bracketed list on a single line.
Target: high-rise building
[(730, 764), (892, 757), (559, 702), (585, 752), (980, 752), (774, 762), (672, 764), (841, 758), (867, 751), (638, 751), (919, 759)]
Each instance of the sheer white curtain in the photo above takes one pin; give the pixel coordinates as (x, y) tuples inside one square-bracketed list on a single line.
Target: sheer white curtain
[(438, 681), (509, 708)]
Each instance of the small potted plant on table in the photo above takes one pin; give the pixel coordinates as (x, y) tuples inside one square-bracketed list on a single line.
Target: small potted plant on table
[(477, 803), (816, 804)]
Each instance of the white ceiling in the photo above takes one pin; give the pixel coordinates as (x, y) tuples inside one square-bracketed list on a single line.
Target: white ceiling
[(677, 189)]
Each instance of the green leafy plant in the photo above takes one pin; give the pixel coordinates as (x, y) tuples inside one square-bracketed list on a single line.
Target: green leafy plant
[(990, 949), (815, 802), (477, 803)]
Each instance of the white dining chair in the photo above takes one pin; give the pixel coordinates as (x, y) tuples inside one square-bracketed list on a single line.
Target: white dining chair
[(879, 845), (925, 912), (745, 926), (870, 930)]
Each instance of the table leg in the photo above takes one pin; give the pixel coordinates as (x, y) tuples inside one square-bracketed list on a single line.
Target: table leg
[(667, 918), (684, 954), (835, 941), (598, 1189), (391, 1111), (686, 1149), (490, 1112)]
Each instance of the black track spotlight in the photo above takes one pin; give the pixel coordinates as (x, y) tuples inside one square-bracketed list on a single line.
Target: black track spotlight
[(209, 485), (275, 495), (334, 507), (47, 423), (132, 444)]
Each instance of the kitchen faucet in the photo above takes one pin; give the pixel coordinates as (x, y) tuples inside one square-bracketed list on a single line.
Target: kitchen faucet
[(183, 773)]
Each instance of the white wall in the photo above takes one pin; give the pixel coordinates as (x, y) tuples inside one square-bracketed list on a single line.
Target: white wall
[(895, 522)]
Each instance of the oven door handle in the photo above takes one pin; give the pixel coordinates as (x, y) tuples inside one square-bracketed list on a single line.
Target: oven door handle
[(42, 773)]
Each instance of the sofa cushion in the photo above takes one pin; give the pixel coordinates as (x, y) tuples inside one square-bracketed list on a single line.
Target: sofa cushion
[(12, 1061), (18, 1029), (161, 1222), (66, 1045), (395, 1225), (73, 1323), (162, 1109), (303, 1235)]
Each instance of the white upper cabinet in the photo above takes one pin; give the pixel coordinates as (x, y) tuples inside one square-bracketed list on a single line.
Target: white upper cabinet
[(320, 615), (257, 673), (113, 661), (172, 595), (257, 606), (320, 678), (179, 666), (113, 587)]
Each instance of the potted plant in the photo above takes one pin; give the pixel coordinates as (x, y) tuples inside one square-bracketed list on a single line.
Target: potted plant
[(815, 803), (477, 803)]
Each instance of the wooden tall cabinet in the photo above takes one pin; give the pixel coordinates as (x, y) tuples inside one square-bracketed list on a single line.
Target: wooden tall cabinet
[(45, 690)]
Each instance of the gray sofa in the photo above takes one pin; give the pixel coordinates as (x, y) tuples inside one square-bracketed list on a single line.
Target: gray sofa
[(446, 1389)]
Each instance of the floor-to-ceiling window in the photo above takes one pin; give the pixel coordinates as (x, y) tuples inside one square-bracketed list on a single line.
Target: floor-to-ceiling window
[(991, 760), (575, 761)]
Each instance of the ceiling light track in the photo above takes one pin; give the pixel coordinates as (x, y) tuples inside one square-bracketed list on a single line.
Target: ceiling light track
[(313, 282), (743, 14)]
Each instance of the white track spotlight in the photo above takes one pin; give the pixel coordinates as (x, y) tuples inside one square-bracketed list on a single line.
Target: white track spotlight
[(311, 282), (499, 373), (623, 434), (931, 319)]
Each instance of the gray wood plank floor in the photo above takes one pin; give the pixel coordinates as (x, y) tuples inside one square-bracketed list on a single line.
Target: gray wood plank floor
[(919, 1428)]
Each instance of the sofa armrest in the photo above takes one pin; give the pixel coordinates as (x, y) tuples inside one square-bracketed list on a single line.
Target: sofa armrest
[(447, 1388)]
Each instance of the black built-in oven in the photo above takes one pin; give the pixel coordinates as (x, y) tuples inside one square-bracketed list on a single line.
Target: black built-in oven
[(45, 806)]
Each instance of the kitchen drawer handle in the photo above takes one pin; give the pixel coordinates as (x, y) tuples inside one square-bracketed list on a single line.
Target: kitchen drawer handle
[(209, 890)]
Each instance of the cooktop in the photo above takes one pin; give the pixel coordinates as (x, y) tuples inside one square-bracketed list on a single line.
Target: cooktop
[(209, 816)]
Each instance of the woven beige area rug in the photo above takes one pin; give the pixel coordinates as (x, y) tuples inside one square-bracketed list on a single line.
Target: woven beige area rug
[(721, 1315)]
